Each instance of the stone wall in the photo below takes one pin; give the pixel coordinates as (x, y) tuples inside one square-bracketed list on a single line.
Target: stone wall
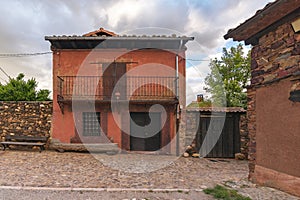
[(25, 118), (275, 58), (251, 119), (244, 134), (272, 111), (182, 131), (192, 121)]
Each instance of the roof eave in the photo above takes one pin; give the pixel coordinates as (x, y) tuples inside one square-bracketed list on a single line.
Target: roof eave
[(50, 38), (80, 42), (246, 31)]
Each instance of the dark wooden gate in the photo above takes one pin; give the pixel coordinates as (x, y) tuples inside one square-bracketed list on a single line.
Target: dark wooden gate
[(144, 137), (229, 141)]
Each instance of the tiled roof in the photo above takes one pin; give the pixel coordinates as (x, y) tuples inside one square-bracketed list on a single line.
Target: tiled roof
[(119, 37), (112, 40), (100, 32), (249, 30), (217, 109)]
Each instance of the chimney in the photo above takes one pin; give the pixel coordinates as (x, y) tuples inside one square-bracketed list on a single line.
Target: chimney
[(199, 97)]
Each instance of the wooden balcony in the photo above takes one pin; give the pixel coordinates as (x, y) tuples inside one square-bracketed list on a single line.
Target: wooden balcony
[(108, 88)]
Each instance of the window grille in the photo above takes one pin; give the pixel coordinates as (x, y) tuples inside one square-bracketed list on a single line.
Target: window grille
[(91, 124)]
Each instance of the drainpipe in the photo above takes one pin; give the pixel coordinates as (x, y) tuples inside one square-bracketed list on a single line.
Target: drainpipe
[(176, 107), (176, 77), (177, 111)]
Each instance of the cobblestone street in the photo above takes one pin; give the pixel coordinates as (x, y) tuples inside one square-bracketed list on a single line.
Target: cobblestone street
[(83, 170)]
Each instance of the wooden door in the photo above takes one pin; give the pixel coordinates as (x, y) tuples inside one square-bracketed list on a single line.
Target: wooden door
[(146, 136), (111, 76)]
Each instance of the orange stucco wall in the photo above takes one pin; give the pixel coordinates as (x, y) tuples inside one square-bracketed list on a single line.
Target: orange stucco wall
[(71, 62), (278, 128)]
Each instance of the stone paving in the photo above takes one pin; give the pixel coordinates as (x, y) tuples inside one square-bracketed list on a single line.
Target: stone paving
[(103, 195), (83, 170)]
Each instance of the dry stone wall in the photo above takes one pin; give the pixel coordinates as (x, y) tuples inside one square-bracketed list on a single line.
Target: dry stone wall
[(244, 135), (276, 57), (25, 118)]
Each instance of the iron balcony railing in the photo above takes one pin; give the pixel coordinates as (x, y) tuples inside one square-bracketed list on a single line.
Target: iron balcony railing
[(107, 88)]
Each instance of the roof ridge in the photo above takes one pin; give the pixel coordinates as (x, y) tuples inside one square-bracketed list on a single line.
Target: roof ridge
[(100, 32)]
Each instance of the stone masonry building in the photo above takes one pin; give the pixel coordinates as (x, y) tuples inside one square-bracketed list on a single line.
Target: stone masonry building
[(274, 94)]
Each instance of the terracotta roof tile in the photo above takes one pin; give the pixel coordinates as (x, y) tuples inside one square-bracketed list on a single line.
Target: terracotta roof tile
[(217, 109), (262, 19), (100, 32)]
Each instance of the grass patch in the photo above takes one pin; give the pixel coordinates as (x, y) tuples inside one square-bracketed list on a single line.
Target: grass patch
[(205, 103), (220, 192)]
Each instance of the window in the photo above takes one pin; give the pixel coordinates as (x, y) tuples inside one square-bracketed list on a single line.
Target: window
[(91, 124)]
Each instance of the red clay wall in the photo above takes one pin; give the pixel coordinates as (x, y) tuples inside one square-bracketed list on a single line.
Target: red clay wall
[(277, 137), (278, 129), (68, 63)]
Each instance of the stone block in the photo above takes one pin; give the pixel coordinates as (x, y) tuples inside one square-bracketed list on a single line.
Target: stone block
[(256, 73), (239, 156), (269, 77), (257, 80), (20, 118), (277, 44)]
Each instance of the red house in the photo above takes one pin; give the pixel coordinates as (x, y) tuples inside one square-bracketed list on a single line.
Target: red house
[(126, 90)]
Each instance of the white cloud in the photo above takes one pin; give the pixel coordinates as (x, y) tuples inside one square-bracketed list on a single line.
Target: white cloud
[(195, 78), (126, 10), (23, 28)]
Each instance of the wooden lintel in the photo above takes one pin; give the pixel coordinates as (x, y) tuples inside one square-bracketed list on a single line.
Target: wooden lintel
[(107, 62)]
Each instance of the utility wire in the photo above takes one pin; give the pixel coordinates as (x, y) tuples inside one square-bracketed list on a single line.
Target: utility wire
[(200, 60), (4, 73), (3, 79), (49, 52), (7, 55)]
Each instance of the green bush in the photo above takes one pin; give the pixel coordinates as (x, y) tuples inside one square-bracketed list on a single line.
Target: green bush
[(220, 192)]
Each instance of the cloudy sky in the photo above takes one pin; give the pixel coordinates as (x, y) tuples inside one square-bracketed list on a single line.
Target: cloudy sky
[(24, 24)]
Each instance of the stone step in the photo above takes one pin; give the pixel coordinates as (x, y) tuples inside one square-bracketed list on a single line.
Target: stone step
[(109, 148)]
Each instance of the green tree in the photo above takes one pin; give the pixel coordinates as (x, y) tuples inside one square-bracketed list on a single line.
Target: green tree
[(229, 78), (17, 89)]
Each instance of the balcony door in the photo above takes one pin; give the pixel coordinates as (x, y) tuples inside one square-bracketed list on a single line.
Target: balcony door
[(111, 75), (145, 137)]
